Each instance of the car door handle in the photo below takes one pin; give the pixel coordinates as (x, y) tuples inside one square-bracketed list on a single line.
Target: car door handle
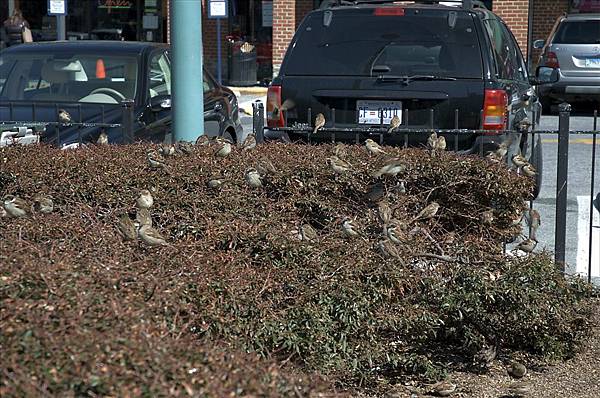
[(218, 107)]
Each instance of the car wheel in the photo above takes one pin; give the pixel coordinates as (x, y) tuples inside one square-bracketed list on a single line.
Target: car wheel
[(537, 162), (228, 136)]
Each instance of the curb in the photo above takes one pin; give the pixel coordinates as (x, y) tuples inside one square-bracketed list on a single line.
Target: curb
[(248, 90), (246, 107)]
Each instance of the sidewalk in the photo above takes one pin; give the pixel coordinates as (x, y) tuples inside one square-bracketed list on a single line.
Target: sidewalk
[(247, 95)]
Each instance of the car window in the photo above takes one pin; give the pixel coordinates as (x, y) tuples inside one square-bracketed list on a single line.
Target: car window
[(432, 42), (578, 32), (509, 61), (159, 75), (67, 78)]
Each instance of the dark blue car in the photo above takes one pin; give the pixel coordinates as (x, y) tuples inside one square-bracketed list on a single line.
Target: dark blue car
[(91, 81)]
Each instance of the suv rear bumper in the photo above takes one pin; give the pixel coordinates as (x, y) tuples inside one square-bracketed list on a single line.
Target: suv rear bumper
[(569, 89)]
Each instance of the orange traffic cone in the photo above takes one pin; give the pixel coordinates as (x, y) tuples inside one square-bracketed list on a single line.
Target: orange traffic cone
[(100, 71)]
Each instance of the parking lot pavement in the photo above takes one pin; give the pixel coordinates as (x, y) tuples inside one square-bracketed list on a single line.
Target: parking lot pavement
[(578, 190)]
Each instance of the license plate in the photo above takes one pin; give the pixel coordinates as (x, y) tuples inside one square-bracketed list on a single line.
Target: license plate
[(377, 112), (592, 62)]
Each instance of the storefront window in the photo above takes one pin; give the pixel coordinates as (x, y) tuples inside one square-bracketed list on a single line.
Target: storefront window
[(584, 6)]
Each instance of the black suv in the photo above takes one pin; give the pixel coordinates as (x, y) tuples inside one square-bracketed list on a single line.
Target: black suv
[(434, 65)]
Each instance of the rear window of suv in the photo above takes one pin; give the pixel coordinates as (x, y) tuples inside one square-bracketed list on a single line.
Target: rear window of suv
[(423, 42), (578, 32)]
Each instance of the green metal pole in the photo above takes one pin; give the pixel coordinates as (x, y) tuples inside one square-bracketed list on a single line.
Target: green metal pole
[(186, 47)]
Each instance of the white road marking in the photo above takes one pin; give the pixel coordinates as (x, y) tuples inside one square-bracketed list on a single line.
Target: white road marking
[(583, 238)]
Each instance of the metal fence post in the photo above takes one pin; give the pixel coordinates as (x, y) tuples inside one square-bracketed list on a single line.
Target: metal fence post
[(560, 231), (258, 121), (127, 120)]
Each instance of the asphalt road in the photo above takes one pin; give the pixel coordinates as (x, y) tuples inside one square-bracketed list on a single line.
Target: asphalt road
[(578, 190)]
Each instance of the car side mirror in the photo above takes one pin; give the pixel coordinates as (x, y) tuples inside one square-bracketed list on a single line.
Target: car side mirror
[(160, 103), (539, 44), (545, 75)]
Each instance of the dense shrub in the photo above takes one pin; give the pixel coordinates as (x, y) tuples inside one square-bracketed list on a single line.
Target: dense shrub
[(85, 311)]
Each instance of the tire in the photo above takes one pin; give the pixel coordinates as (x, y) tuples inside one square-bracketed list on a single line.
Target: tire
[(228, 136), (538, 162)]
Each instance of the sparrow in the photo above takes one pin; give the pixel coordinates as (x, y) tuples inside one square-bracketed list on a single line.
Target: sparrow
[(319, 122), (184, 147), (142, 216), (127, 228), (203, 140), (102, 139), (428, 212), (502, 149), (167, 150), (519, 389), (518, 160), (527, 245), (517, 370), (64, 117), (390, 169), (486, 356), (216, 181), (265, 167), (442, 388), (384, 211), (596, 202), (253, 178), (388, 249), (43, 204), (145, 200), (529, 170), (375, 192), (373, 147), (151, 237), (287, 105), (487, 217), (350, 228), (308, 233), (224, 149), (399, 188), (393, 232), (432, 140), (155, 160), (394, 124), (534, 220), (338, 165), (440, 144), (339, 150), (16, 207), (249, 142), (494, 157)]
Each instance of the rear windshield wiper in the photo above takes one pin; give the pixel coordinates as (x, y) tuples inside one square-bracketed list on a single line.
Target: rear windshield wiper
[(407, 79)]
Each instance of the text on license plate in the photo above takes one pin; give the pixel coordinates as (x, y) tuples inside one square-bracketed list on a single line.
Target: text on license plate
[(376, 112), (592, 62)]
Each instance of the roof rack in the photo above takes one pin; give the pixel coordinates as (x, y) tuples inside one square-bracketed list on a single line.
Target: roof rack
[(466, 4)]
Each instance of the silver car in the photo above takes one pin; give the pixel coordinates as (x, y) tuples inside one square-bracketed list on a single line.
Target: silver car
[(573, 47)]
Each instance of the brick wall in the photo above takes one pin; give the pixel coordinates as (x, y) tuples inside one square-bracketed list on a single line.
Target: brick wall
[(515, 14), (545, 13), (303, 7), (284, 26)]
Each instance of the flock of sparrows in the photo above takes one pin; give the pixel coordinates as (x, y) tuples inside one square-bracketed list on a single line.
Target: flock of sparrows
[(141, 227), (16, 207)]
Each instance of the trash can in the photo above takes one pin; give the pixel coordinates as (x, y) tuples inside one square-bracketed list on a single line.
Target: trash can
[(243, 64)]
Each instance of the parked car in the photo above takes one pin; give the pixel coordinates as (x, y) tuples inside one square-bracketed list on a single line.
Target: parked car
[(90, 79), (573, 47), (371, 61)]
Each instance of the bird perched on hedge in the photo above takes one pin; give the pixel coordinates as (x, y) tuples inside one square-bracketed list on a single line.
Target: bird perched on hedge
[(428, 212), (265, 167), (43, 204), (527, 246), (223, 149), (216, 181), (390, 169), (388, 249), (127, 228), (518, 160), (432, 140), (319, 122), (440, 144), (529, 170), (64, 117), (167, 150), (517, 370), (308, 233), (155, 160), (374, 148), (393, 232), (350, 227), (142, 216), (394, 124), (151, 237), (442, 388), (534, 220), (249, 142), (102, 139), (16, 207), (145, 200), (384, 211), (338, 165), (253, 178)]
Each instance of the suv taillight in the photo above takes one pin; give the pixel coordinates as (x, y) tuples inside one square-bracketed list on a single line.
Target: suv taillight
[(552, 60), (274, 116), (494, 110)]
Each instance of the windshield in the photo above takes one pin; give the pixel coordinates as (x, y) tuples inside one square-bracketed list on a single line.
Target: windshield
[(359, 42), (578, 32), (85, 78)]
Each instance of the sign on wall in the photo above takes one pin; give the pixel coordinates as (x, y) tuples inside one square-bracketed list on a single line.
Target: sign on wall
[(217, 9), (57, 7), (267, 14)]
